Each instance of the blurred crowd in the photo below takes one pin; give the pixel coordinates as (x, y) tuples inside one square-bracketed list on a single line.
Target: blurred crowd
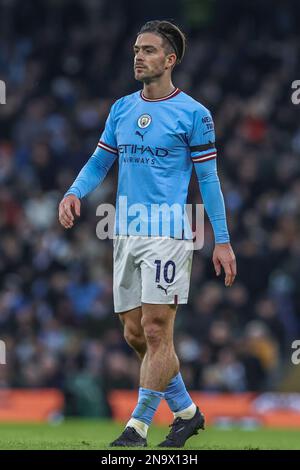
[(64, 63)]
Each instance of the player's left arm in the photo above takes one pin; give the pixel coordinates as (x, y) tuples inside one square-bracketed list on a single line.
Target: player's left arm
[(203, 153)]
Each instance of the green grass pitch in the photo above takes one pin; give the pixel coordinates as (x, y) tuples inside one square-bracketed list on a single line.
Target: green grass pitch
[(95, 434)]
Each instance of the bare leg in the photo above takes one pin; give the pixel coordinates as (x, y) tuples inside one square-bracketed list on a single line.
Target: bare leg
[(133, 331), (160, 363), (158, 321)]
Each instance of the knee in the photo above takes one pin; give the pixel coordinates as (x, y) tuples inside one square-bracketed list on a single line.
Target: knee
[(136, 339), (154, 332)]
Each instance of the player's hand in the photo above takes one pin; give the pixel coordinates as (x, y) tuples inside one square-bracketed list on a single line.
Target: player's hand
[(224, 256), (68, 208)]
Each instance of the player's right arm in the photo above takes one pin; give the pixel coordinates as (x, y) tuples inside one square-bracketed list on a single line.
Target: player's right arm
[(91, 175)]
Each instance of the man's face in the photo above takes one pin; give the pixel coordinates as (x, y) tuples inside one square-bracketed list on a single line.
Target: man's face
[(150, 58)]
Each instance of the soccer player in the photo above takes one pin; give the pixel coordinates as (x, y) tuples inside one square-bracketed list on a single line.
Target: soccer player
[(158, 135)]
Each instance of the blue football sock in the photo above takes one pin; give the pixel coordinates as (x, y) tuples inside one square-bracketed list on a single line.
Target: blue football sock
[(176, 394), (147, 405)]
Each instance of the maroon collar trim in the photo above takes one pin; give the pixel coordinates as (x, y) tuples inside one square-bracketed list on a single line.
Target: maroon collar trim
[(171, 95)]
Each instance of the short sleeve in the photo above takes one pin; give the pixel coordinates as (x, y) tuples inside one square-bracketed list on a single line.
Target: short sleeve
[(202, 139)]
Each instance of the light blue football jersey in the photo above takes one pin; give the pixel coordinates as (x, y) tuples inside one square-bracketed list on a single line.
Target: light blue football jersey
[(156, 142)]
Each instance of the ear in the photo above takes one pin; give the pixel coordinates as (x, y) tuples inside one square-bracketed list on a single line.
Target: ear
[(171, 60)]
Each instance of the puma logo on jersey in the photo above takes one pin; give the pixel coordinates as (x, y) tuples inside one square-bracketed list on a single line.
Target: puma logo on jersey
[(140, 134), (163, 288)]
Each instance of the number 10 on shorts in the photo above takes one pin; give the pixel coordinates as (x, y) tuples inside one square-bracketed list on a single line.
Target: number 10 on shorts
[(168, 271)]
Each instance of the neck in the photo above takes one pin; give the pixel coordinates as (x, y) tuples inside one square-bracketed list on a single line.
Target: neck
[(158, 89)]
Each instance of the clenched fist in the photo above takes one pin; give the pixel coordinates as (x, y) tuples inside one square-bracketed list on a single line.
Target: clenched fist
[(68, 208)]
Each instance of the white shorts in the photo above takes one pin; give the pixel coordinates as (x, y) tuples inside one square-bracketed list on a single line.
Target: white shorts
[(154, 270)]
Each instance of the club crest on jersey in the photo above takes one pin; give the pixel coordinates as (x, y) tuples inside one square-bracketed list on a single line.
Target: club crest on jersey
[(144, 121)]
